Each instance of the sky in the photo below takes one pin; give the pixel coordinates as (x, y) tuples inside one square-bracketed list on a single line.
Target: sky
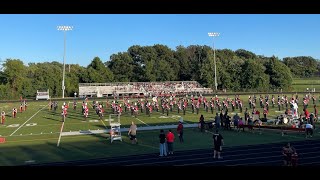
[(35, 38)]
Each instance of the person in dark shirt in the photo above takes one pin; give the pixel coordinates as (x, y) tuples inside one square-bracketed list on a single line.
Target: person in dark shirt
[(312, 120), (222, 119), (180, 131), (162, 138), (315, 113), (218, 143), (217, 121), (294, 157), (202, 123), (287, 152), (227, 122)]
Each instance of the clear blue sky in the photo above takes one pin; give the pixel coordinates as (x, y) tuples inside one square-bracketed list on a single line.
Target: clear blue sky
[(34, 38)]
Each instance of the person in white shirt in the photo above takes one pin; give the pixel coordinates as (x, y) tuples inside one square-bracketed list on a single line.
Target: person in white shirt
[(133, 133), (309, 129)]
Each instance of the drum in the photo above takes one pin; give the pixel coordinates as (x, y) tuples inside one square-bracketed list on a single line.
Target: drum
[(297, 123), (285, 120)]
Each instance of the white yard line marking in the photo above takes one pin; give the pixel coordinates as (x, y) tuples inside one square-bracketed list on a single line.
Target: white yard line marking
[(173, 117), (142, 122), (24, 135), (100, 119), (103, 123), (27, 121), (32, 140), (61, 132)]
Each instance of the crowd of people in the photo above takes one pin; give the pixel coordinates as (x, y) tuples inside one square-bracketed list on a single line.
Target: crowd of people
[(158, 88)]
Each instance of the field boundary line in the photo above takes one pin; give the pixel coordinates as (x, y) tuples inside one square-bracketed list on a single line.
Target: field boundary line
[(28, 140), (27, 121)]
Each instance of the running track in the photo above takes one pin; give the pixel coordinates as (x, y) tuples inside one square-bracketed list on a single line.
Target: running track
[(251, 155)]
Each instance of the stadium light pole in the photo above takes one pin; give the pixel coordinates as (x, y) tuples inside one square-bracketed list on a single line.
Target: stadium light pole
[(64, 29), (214, 34)]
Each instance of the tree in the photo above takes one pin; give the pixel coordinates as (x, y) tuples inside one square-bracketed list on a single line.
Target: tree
[(98, 72), (301, 66), (185, 72), (280, 75), (14, 72), (48, 75), (245, 54), (165, 54), (228, 70), (121, 65), (73, 78), (253, 76)]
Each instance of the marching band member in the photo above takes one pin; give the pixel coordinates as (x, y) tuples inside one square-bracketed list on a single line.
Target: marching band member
[(3, 117), (14, 112)]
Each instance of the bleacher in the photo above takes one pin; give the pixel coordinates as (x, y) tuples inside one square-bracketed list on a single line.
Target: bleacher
[(141, 88)]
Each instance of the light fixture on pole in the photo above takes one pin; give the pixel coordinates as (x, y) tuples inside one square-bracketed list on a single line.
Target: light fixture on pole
[(64, 29), (214, 34)]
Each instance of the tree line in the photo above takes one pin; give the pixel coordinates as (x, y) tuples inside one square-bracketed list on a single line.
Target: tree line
[(239, 70)]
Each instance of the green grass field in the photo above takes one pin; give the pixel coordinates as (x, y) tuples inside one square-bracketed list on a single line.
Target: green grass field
[(34, 134), (314, 80), (301, 84)]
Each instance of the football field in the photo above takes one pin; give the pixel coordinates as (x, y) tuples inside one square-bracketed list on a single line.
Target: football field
[(33, 135)]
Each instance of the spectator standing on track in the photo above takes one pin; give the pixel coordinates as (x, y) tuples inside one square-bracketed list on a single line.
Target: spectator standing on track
[(306, 114), (236, 117), (133, 133), (162, 138), (222, 118), (240, 125), (217, 121), (235, 121), (315, 113), (294, 158), (227, 122), (202, 123), (170, 140), (180, 131), (217, 143), (287, 152), (250, 124), (309, 129), (312, 122)]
